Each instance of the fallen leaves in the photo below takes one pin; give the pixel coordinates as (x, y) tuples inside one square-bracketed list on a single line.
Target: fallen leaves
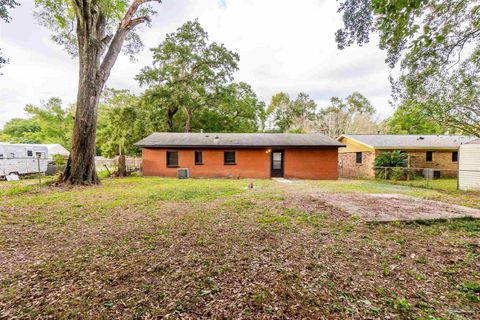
[(271, 252)]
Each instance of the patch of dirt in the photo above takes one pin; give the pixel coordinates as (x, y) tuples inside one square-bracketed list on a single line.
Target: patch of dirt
[(391, 207)]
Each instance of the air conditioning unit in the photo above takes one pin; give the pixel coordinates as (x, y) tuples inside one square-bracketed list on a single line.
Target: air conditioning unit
[(431, 174), (183, 173)]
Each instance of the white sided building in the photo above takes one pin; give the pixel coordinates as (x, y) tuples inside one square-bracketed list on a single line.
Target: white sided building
[(469, 166), (55, 149)]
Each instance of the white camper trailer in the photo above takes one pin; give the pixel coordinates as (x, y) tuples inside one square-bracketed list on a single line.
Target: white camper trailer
[(22, 159)]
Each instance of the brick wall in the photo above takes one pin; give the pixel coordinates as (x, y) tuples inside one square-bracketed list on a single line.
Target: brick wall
[(441, 160), (316, 164), (254, 163), (251, 163), (349, 168)]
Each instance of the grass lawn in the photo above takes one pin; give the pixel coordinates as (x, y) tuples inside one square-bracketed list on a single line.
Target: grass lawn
[(446, 184), (187, 249)]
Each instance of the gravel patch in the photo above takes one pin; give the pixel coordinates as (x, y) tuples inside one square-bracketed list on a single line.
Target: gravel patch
[(391, 207)]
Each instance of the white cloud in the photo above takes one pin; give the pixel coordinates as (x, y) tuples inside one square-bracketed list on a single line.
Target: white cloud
[(283, 46)]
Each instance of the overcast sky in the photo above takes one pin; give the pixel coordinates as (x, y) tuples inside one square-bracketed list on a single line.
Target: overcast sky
[(284, 45)]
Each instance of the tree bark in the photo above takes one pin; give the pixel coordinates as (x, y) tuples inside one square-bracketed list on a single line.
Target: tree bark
[(93, 74), (80, 167), (188, 120), (171, 113), (122, 166)]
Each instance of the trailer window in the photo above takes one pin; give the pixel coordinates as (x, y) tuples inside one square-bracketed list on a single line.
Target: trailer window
[(39, 155), (1, 156), (29, 153), (11, 155)]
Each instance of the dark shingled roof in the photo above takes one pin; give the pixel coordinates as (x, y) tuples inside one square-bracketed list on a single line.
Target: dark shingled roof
[(237, 140), (410, 141)]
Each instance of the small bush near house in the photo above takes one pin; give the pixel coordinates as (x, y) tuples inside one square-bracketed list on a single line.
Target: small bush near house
[(394, 161)]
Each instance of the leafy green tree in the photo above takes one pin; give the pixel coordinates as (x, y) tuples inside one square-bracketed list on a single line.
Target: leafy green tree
[(47, 123), (350, 115), (118, 123), (188, 73), (95, 31), (413, 119), (437, 42), (55, 122), (452, 98), (288, 115), (233, 108), (5, 5), (20, 131), (158, 110), (236, 109), (190, 88)]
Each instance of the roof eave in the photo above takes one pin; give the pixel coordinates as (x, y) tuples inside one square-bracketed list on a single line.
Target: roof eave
[(414, 148), (235, 146), (353, 139)]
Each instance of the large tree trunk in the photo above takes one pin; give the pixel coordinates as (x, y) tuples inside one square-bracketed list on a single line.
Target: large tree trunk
[(81, 162), (94, 72), (122, 166)]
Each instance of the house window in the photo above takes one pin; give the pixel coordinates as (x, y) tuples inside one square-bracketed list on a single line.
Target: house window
[(229, 157), (358, 158), (429, 156), (172, 158), (455, 156), (198, 157), (29, 153)]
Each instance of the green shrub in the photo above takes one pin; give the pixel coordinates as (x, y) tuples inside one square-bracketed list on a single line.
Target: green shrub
[(394, 158), (60, 160), (396, 173), (394, 161)]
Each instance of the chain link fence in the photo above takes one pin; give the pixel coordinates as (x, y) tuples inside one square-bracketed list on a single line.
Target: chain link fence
[(431, 178), (39, 170)]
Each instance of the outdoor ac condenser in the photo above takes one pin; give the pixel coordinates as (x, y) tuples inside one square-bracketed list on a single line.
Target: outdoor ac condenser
[(431, 174), (183, 173)]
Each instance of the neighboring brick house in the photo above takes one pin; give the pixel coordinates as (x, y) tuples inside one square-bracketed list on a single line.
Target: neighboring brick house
[(356, 159), (241, 155)]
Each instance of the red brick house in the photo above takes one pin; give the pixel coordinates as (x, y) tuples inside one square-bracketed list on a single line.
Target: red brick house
[(241, 155)]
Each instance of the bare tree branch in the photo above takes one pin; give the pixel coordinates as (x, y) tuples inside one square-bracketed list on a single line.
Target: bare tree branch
[(128, 23), (134, 22)]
